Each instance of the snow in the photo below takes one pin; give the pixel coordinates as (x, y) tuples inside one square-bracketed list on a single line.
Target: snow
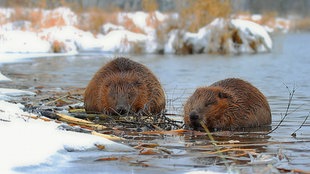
[(17, 41), (30, 142), (221, 36), (6, 93), (68, 16), (122, 41), (18, 57), (71, 39), (142, 19), (106, 28), (59, 34), (253, 31), (4, 78), (26, 141)]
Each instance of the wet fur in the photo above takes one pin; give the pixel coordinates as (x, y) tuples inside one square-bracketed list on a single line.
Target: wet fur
[(126, 84), (227, 104)]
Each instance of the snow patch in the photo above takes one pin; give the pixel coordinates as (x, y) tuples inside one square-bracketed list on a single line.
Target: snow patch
[(122, 41), (253, 32), (26, 141), (221, 36), (4, 78), (70, 39), (106, 28), (6, 94), (17, 41)]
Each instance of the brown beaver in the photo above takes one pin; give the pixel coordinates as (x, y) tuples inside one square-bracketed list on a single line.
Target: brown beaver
[(227, 104), (123, 87)]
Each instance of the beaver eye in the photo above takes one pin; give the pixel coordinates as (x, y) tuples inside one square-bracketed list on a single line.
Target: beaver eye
[(222, 95), (130, 95), (209, 103)]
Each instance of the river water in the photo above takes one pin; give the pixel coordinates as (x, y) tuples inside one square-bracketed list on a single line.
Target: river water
[(276, 74)]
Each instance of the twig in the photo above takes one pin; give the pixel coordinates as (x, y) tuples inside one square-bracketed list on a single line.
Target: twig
[(291, 94), (72, 120), (218, 151), (294, 133), (75, 98), (53, 101), (4, 120)]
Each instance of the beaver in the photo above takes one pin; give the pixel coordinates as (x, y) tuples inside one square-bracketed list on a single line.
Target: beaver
[(123, 87), (227, 104)]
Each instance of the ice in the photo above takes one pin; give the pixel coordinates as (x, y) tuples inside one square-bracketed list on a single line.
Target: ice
[(4, 78), (7, 94)]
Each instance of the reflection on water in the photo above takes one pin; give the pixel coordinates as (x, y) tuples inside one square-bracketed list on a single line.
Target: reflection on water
[(276, 74)]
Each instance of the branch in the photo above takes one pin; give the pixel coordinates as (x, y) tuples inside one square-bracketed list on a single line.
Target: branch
[(291, 94), (294, 133)]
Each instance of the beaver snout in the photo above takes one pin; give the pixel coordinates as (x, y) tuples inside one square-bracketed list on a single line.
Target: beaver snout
[(194, 117), (194, 120), (121, 109)]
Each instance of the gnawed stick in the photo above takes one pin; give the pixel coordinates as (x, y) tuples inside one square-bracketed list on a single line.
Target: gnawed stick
[(80, 122)]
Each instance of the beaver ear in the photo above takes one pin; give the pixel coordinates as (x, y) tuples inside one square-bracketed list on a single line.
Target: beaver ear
[(223, 95)]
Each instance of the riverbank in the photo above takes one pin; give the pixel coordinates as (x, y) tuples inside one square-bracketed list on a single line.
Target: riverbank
[(57, 31)]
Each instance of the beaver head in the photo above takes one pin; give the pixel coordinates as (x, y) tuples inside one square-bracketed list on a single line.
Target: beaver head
[(123, 94), (208, 105)]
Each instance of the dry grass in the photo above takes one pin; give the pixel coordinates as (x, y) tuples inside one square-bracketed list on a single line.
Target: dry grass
[(194, 14), (198, 13), (301, 24), (129, 24), (90, 19), (93, 18), (149, 5), (269, 18)]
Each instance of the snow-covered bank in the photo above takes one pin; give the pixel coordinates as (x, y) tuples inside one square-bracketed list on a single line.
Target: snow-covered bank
[(221, 36), (211, 38), (135, 32), (31, 142), (26, 141)]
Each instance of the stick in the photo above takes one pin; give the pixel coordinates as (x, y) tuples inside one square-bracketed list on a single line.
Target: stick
[(53, 101), (72, 120), (294, 133), (214, 144), (291, 94)]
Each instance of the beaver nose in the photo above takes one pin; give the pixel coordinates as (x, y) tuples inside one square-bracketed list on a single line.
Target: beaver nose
[(193, 116), (121, 110)]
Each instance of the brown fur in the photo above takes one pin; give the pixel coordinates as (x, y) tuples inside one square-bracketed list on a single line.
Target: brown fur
[(227, 104), (123, 86)]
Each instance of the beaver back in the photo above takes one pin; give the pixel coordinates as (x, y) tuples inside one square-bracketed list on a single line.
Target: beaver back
[(229, 103)]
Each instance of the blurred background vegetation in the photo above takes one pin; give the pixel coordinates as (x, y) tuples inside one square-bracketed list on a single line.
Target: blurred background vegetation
[(281, 7), (194, 14)]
